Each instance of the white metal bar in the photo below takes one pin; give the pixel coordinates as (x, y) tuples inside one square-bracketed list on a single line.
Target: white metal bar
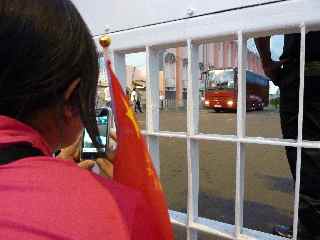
[(296, 195), (152, 111), (193, 145), (271, 141), (301, 87), (225, 230), (254, 140), (300, 131), (241, 132), (205, 27), (235, 139), (221, 229), (119, 65), (249, 234), (240, 168), (178, 218), (242, 84), (215, 228), (182, 135), (193, 88), (309, 144), (193, 186)]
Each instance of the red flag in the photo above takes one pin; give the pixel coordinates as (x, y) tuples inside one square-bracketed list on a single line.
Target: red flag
[(133, 166)]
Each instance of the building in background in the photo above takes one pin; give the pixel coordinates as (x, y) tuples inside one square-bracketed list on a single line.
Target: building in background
[(136, 77), (174, 70), (220, 55)]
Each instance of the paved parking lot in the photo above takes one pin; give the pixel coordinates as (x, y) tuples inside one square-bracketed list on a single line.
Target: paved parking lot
[(268, 185)]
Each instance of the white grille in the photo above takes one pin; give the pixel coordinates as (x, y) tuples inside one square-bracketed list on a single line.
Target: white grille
[(239, 24)]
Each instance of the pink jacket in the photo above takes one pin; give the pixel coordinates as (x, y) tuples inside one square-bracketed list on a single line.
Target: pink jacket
[(49, 198)]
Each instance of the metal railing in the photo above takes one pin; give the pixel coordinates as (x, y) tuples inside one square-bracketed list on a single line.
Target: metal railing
[(238, 24)]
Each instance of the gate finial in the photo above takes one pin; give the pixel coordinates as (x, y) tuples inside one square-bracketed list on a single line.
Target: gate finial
[(105, 41)]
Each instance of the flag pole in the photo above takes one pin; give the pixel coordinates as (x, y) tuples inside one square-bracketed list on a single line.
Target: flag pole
[(105, 42), (133, 164)]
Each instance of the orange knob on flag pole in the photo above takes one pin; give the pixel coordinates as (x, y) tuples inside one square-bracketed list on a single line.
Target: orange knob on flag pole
[(105, 41)]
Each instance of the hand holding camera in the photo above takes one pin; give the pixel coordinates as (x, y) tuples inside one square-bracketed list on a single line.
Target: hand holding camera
[(87, 156)]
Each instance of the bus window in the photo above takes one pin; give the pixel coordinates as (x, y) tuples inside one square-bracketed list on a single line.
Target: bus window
[(220, 79)]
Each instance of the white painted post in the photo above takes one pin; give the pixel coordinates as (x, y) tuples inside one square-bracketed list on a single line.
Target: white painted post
[(152, 106), (192, 144), (300, 133), (241, 132)]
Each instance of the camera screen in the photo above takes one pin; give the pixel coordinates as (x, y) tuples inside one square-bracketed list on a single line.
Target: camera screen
[(103, 131)]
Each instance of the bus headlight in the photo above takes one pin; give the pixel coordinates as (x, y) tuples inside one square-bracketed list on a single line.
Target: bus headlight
[(230, 103), (206, 103)]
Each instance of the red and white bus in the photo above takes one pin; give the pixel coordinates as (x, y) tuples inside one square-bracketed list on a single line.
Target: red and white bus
[(220, 91)]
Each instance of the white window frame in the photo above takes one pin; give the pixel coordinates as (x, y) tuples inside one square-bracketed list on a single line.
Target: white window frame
[(239, 24)]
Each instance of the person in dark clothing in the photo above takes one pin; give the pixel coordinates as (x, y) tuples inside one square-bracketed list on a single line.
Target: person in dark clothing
[(285, 73), (137, 106), (136, 100)]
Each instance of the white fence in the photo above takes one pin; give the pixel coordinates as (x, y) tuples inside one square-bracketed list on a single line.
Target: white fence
[(237, 24)]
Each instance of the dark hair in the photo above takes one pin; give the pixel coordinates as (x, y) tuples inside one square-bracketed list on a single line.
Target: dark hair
[(44, 47)]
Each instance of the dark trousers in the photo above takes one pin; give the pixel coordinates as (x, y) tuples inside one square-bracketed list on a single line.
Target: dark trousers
[(309, 209), (137, 106)]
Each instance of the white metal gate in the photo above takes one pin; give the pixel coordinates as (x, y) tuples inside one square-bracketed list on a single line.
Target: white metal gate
[(239, 24)]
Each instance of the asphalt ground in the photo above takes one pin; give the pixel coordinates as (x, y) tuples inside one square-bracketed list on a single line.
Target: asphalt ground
[(268, 183)]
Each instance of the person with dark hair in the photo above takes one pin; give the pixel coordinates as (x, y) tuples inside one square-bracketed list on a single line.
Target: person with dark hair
[(285, 74), (48, 84)]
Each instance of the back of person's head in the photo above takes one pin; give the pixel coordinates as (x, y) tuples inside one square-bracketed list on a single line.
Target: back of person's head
[(44, 47)]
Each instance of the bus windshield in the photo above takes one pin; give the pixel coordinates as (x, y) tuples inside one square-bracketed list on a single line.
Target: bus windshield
[(220, 79)]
